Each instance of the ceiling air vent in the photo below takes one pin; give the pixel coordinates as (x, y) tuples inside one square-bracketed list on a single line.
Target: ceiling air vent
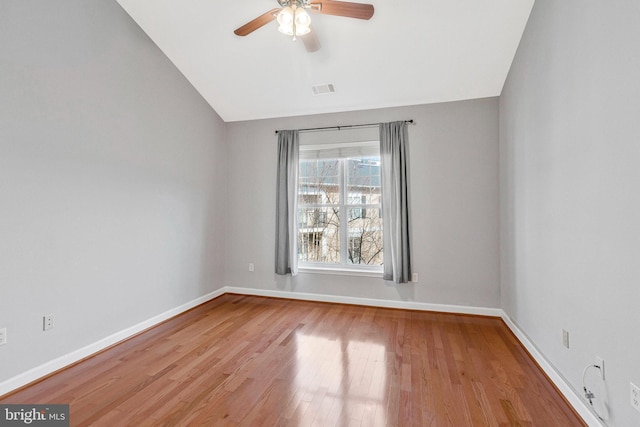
[(323, 89)]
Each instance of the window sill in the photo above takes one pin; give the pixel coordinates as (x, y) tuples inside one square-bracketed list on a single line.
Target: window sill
[(341, 271)]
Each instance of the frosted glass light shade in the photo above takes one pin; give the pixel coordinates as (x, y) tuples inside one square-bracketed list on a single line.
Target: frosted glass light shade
[(286, 19)]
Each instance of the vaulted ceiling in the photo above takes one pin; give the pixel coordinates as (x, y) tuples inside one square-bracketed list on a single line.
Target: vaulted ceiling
[(409, 53)]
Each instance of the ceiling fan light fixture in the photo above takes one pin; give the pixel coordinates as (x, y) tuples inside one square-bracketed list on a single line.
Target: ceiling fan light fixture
[(285, 17), (303, 21), (294, 21)]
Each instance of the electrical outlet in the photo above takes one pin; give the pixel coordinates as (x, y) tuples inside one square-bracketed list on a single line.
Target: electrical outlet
[(47, 322), (251, 266), (3, 336), (635, 396), (600, 364), (414, 277), (565, 338)]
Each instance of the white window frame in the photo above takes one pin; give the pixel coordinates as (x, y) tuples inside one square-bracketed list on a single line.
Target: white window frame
[(341, 152)]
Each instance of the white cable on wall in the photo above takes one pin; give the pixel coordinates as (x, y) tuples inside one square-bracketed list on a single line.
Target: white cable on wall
[(595, 391)]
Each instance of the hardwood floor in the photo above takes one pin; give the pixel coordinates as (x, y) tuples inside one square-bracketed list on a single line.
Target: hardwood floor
[(254, 361)]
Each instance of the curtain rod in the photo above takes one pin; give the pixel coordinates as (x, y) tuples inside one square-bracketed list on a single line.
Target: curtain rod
[(343, 127)]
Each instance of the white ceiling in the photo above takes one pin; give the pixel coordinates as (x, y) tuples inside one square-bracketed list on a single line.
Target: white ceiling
[(409, 53)]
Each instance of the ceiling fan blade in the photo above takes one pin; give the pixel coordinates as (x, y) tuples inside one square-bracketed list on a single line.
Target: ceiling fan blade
[(343, 8), (260, 21), (311, 42)]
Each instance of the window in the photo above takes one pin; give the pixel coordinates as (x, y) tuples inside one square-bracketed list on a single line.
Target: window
[(330, 217), (339, 221)]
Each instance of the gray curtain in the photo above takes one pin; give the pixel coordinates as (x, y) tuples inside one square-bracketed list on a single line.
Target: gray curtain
[(287, 203), (394, 171)]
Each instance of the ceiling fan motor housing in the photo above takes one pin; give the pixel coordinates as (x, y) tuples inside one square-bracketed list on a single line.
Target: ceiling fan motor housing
[(299, 3)]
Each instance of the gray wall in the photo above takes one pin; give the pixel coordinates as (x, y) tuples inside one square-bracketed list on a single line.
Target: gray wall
[(570, 180), (454, 173), (112, 179)]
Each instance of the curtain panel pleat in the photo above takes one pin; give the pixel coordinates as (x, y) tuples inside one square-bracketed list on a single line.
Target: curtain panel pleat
[(395, 201), (287, 203)]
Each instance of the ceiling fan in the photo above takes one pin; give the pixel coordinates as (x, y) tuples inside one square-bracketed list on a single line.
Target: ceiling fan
[(293, 19)]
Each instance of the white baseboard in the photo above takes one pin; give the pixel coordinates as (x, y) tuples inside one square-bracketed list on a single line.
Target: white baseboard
[(560, 382), (371, 302), (70, 358)]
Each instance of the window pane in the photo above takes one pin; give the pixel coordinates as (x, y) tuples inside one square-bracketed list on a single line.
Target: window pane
[(319, 182), (365, 237), (339, 210), (363, 181), (319, 235)]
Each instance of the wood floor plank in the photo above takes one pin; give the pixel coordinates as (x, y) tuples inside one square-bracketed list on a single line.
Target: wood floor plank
[(253, 361)]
